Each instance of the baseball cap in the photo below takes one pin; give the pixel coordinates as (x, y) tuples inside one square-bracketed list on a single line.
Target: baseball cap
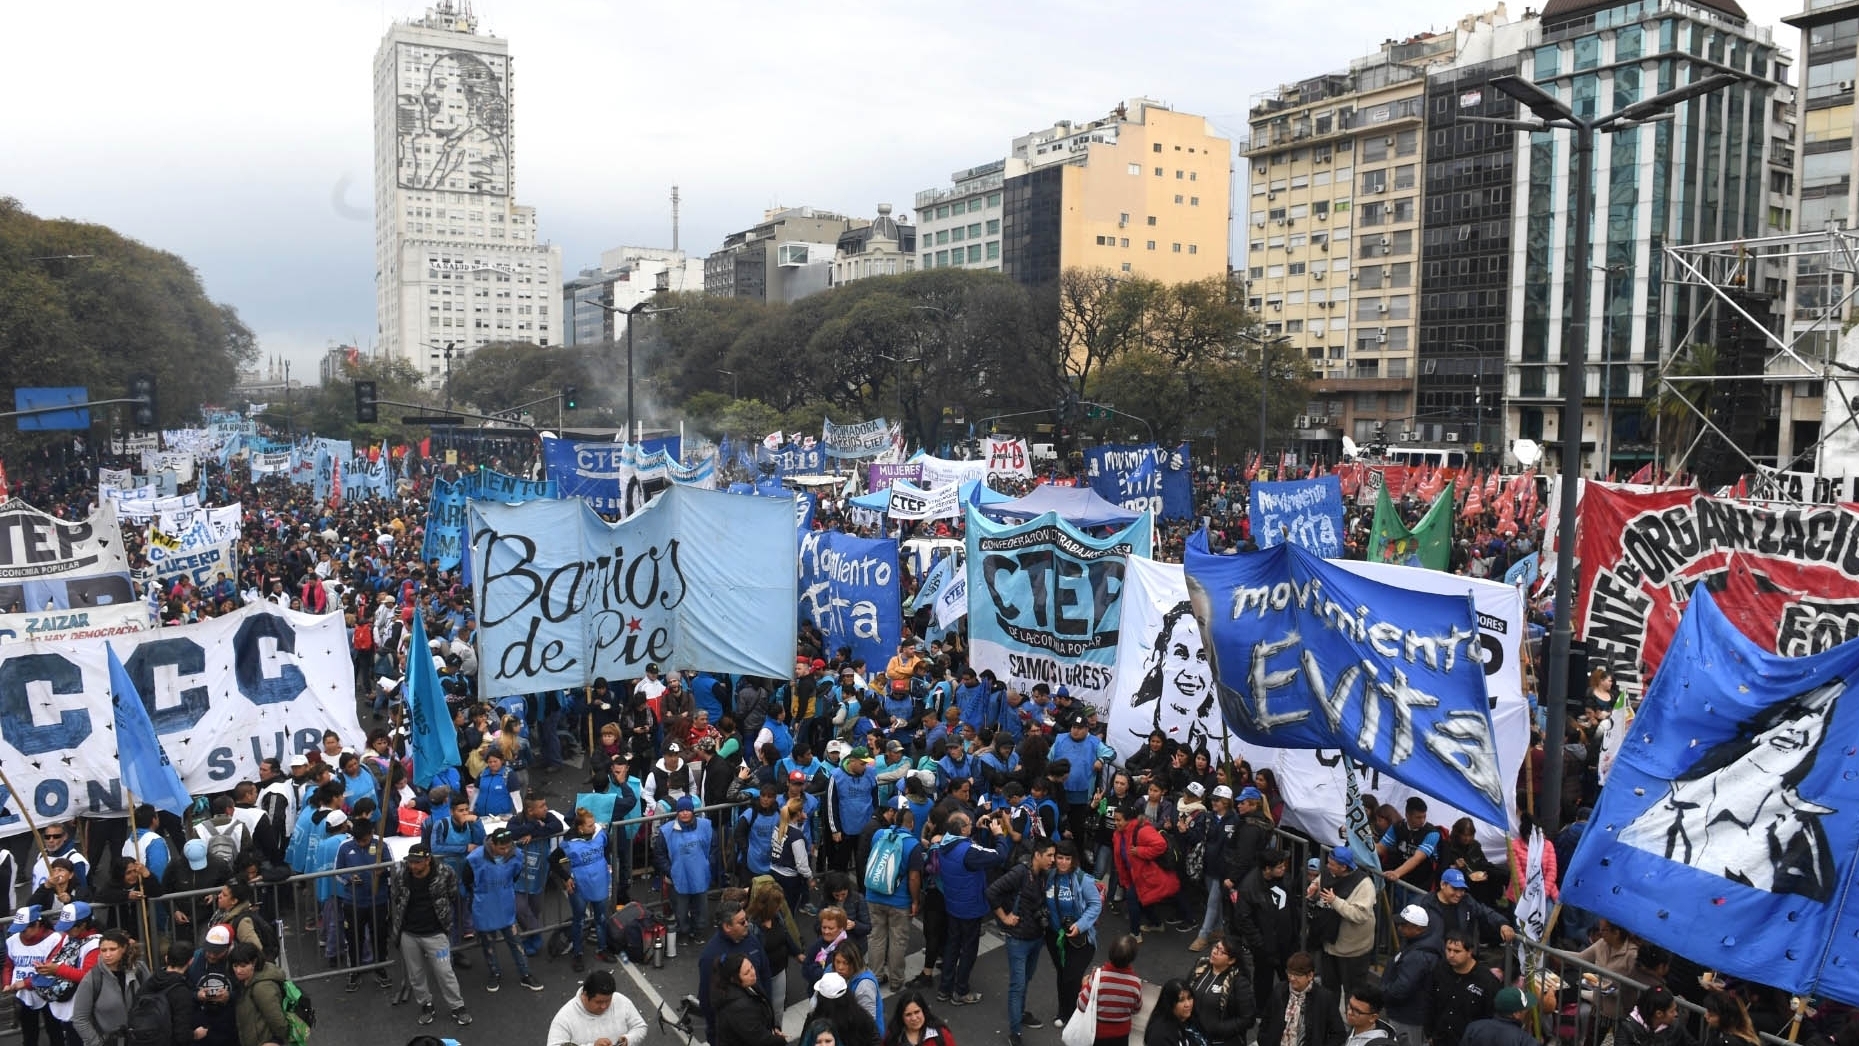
[(299, 760), (830, 986), (818, 664), (1222, 792), (1251, 793), (926, 778), (893, 745), (1077, 719), (1513, 1000), (674, 749), (501, 836), (861, 752), (1344, 856), (1062, 691), (219, 937), (196, 853), (1414, 915), (838, 748), (1452, 877), (1196, 789), (418, 850), (70, 915), (796, 777), (686, 804), (335, 821), (25, 917), (900, 803)]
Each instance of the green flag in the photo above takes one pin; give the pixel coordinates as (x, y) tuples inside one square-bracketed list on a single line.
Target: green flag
[(1428, 544)]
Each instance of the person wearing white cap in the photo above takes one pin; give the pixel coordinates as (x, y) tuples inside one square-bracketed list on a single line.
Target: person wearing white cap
[(1407, 984), (835, 1005), (30, 941), (1214, 830), (62, 971)]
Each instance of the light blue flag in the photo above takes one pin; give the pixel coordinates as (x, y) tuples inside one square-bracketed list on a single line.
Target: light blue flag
[(1525, 571), (1727, 831), (435, 743), (147, 773), (939, 576)]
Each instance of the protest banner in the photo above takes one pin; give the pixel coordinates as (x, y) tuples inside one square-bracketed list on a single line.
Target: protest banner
[(1787, 576), (1308, 655), (1726, 831), (330, 455), (488, 484), (849, 590), (1177, 484), (1128, 476), (697, 579), (1305, 512), (943, 472), (1045, 601), (262, 682), (861, 440), (1007, 456), (792, 458), (110, 619), (116, 479), (269, 463), (365, 478), (880, 477), (445, 524), (1163, 681), (617, 479), (911, 502)]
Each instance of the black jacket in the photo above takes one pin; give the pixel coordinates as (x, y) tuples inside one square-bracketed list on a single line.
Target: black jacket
[(1223, 1001), (1408, 981), (1323, 1018), (1458, 1000), (744, 1017), (1021, 893), (1497, 1031), (180, 1004)]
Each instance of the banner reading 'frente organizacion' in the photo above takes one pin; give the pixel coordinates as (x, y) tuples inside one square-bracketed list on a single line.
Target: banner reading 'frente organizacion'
[(1787, 576)]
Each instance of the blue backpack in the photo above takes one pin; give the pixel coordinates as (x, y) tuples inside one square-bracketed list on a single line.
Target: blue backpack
[(884, 869)]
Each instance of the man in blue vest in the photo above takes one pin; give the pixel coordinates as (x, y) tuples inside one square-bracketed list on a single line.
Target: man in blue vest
[(1082, 752), (534, 833), (681, 853), (851, 802), (755, 835), (975, 700), (963, 856), (891, 910), (493, 869)]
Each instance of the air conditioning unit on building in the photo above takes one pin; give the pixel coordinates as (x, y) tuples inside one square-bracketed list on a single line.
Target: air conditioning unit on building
[(1303, 421), (1259, 224), (1389, 141), (1316, 274), (1409, 435), (1281, 223), (1320, 421), (1382, 308), (1452, 437), (1385, 242)]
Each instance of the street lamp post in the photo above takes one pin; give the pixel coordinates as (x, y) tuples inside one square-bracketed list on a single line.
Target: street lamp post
[(446, 351), (733, 389), (1608, 272), (900, 379), (642, 309), (1265, 376), (1552, 113)]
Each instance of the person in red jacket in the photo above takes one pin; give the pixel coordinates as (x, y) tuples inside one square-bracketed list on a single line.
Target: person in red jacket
[(1136, 849)]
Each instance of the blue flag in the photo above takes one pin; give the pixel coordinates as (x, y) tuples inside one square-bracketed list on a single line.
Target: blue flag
[(435, 742), (849, 590), (1729, 828), (1525, 571), (1306, 512), (147, 773), (1309, 655)]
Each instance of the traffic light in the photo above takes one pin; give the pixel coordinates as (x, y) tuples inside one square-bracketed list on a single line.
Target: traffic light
[(569, 393), (366, 410), (142, 390)]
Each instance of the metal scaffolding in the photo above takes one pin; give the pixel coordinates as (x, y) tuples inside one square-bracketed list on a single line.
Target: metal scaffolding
[(1808, 353)]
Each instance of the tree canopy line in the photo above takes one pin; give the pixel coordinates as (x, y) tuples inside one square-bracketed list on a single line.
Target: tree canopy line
[(945, 351)]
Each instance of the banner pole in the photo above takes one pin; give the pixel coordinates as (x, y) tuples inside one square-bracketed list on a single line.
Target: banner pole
[(141, 858), (587, 701)]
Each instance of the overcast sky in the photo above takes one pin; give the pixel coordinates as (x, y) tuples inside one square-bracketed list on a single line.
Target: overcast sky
[(240, 135)]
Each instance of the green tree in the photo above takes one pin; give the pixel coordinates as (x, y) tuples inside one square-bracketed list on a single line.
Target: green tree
[(81, 304), (1680, 401), (329, 409)]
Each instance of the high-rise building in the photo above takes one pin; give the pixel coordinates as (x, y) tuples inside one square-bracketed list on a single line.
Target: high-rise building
[(457, 262), (960, 226), (1333, 232), (1707, 175), (786, 257)]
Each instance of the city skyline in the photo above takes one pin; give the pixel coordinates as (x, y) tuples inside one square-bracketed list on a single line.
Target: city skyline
[(255, 166)]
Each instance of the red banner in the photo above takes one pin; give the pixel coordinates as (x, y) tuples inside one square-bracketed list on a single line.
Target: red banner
[(1786, 575)]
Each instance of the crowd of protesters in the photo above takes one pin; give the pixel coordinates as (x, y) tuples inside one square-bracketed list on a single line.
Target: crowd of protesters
[(796, 834)]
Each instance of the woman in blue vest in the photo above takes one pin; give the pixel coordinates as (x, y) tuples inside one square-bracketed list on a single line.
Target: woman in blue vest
[(861, 983), (580, 862), (497, 786), (357, 783), (775, 731)]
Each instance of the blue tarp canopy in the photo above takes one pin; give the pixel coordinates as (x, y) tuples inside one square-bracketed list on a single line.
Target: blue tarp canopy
[(1079, 506)]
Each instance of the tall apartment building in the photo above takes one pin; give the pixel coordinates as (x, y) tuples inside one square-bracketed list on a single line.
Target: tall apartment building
[(1143, 190), (1705, 176), (1333, 231), (457, 261), (627, 277), (786, 257)]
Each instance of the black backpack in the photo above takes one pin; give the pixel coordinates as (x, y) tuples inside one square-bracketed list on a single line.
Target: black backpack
[(151, 1020), (267, 933)]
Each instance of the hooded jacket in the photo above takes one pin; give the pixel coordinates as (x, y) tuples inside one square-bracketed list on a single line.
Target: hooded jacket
[(1223, 1001), (260, 1009), (851, 800), (1408, 981), (1135, 848), (100, 1008), (180, 1004)]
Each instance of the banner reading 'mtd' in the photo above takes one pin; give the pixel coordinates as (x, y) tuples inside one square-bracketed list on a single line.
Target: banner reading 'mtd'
[(697, 579), (1045, 601), (223, 695)]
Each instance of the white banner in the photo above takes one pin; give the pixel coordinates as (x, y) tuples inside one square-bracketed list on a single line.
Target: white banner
[(912, 502), (224, 694), (1007, 456), (134, 446), (222, 522), (116, 479), (202, 562), (943, 472), (952, 601), (113, 620), (36, 546), (270, 463), (1165, 682)]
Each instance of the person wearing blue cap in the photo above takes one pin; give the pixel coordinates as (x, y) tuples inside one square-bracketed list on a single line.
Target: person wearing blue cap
[(682, 850), (1454, 908), (1343, 919)]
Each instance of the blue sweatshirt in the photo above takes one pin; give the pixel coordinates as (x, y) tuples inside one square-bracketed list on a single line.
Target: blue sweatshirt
[(977, 705), (964, 874), (683, 854), (851, 800)]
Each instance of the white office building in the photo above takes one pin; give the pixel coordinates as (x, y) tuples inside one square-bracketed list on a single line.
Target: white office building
[(457, 262)]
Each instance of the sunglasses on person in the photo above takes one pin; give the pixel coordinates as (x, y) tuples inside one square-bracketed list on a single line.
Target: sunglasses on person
[(54, 837)]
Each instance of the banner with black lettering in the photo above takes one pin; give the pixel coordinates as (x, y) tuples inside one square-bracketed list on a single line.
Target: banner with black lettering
[(849, 590), (113, 619), (488, 484), (1007, 456), (698, 579), (445, 524), (269, 463), (224, 694), (618, 478), (909, 501), (1787, 576), (862, 439), (1045, 601)]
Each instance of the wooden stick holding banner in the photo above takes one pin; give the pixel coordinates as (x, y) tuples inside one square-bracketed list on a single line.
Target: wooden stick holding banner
[(25, 810), (142, 859), (587, 702)]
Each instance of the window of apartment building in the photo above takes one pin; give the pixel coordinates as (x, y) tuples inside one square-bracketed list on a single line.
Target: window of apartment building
[(994, 250), (1366, 369), (1256, 272), (956, 234), (1397, 341), (1548, 58), (942, 258), (1296, 241), (1368, 278), (1277, 212), (1158, 147), (1320, 210), (1397, 367), (1276, 242), (1403, 210), (1404, 176), (1123, 242), (1370, 214), (1136, 168), (1406, 143), (942, 211), (1106, 241), (974, 231), (994, 199), (1400, 306), (1295, 269), (1375, 181), (1126, 267), (1194, 176), (994, 226), (1258, 217), (1403, 242), (1176, 249), (1320, 178), (1158, 170), (1374, 149), (1401, 274), (1150, 244), (942, 236), (1320, 240), (1368, 402), (1280, 185), (974, 252), (1124, 218), (1178, 199), (1369, 308), (1294, 326)]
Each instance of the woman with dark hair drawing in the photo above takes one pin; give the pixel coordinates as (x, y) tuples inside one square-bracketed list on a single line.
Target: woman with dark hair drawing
[(1737, 813), (1178, 678)]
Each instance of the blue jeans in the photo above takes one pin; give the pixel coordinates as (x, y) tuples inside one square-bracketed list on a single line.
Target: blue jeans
[(1022, 962), (487, 940), (962, 940), (584, 905), (1216, 894), (687, 912)]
